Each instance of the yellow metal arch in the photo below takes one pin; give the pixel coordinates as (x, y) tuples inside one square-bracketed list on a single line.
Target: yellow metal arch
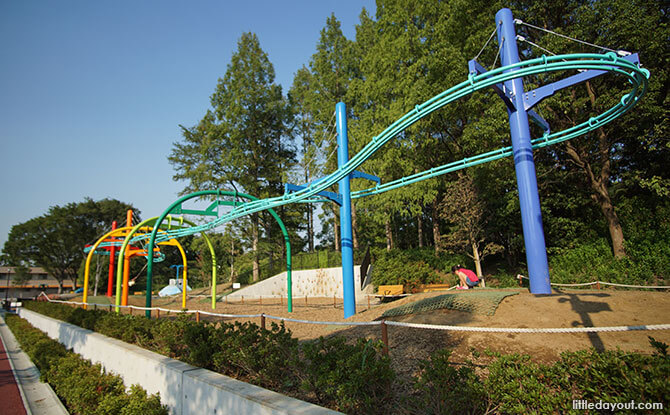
[(127, 254)]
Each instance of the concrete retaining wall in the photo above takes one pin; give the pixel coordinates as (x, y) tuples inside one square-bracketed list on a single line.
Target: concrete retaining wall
[(323, 282), (185, 389)]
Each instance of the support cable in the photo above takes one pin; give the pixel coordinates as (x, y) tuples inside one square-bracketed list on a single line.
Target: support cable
[(619, 52), (486, 44)]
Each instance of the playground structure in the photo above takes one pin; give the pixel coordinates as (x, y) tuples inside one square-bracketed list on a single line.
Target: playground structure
[(507, 82), (108, 243)]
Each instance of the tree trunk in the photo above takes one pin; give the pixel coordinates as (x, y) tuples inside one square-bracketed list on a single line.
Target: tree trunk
[(419, 225), (232, 259), (389, 235), (599, 183), (336, 228), (254, 247), (436, 226), (354, 233), (602, 197), (310, 227), (478, 262), (97, 275)]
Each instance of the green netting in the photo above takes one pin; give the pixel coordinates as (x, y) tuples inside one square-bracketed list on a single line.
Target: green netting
[(484, 302)]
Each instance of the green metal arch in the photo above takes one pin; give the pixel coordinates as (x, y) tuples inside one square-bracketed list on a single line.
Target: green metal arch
[(178, 202)]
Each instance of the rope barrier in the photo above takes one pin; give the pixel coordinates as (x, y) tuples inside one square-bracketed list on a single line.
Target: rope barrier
[(336, 323), (657, 287), (399, 323), (531, 330)]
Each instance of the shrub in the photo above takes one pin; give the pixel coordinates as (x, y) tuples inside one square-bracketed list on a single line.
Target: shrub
[(646, 263), (260, 356), (350, 378), (85, 388), (617, 376), (444, 389), (517, 385)]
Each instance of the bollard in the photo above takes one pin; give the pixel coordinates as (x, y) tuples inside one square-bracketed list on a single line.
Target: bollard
[(263, 321), (385, 338), (597, 285), (197, 316)]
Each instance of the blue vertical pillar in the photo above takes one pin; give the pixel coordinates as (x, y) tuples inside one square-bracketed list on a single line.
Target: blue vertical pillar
[(531, 216), (345, 214)]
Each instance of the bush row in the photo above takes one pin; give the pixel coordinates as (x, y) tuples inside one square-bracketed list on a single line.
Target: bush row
[(359, 379), (647, 263), (84, 388), (270, 358)]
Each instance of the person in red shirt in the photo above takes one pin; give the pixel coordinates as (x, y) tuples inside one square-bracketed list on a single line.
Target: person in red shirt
[(467, 278)]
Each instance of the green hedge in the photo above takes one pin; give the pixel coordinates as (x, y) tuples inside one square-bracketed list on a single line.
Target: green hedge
[(84, 388), (646, 264), (359, 379), (269, 358)]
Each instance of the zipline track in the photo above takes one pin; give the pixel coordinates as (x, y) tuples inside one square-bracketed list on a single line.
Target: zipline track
[(609, 62)]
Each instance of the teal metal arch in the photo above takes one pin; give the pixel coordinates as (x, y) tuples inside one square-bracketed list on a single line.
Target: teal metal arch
[(176, 208)]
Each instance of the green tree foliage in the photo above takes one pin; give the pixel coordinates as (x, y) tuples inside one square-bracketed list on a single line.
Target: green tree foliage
[(55, 241), (412, 50), (631, 148), (242, 142)]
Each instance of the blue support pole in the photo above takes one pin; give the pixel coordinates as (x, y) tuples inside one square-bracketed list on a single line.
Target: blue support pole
[(531, 216), (345, 214)]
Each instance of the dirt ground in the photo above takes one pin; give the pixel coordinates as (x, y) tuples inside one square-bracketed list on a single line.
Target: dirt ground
[(408, 346)]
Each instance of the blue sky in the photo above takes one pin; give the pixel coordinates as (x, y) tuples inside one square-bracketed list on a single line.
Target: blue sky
[(92, 93)]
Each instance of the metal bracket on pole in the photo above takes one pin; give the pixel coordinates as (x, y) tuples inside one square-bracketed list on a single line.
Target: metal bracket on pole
[(477, 69), (360, 175), (332, 196)]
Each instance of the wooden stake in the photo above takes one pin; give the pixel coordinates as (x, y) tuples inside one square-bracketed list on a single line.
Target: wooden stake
[(385, 338), (263, 321), (197, 316), (158, 314)]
